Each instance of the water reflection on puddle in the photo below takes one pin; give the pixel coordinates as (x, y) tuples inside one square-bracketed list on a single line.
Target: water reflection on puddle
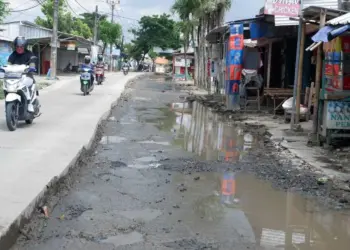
[(226, 202), (200, 131)]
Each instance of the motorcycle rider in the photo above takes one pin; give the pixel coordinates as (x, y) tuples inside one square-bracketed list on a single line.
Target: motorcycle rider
[(100, 63), (126, 64), (87, 64), (100, 60), (21, 55)]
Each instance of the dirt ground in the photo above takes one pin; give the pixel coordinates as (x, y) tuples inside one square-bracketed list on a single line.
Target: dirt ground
[(171, 175)]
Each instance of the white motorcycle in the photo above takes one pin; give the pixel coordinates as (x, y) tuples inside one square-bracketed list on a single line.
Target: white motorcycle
[(21, 102)]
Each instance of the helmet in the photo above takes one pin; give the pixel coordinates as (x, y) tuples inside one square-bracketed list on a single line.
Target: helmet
[(20, 44), (100, 57), (87, 59)]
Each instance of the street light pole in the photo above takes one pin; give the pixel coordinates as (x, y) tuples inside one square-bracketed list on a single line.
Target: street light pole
[(54, 38)]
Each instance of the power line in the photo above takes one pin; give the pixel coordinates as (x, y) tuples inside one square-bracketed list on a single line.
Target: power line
[(129, 18), (82, 6), (14, 11), (71, 7)]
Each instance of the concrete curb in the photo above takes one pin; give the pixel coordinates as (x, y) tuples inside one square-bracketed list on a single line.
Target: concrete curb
[(9, 237)]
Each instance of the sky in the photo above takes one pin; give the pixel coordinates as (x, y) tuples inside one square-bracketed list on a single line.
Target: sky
[(129, 11)]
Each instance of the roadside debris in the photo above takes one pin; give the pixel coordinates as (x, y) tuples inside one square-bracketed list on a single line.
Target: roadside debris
[(45, 211), (322, 180)]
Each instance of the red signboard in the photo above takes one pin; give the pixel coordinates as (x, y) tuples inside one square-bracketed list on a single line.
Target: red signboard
[(346, 83), (346, 44), (282, 7)]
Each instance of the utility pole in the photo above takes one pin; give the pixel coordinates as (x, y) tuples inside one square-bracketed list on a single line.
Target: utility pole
[(95, 25), (296, 72), (54, 39), (121, 51), (112, 3)]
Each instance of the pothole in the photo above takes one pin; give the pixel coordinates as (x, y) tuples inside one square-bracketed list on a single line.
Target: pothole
[(190, 244), (75, 211), (118, 164), (112, 140), (144, 215), (165, 143)]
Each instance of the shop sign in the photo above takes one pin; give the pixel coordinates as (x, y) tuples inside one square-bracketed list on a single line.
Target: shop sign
[(338, 115), (181, 62), (71, 46), (282, 7)]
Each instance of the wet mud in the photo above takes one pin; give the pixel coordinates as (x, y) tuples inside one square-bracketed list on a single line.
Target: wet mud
[(171, 175)]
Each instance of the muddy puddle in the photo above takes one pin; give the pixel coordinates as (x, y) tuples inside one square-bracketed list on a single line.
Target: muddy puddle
[(227, 201), (262, 215), (196, 129)]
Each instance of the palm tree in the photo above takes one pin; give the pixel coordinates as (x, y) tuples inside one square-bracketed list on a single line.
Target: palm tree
[(185, 28), (184, 9), (201, 16)]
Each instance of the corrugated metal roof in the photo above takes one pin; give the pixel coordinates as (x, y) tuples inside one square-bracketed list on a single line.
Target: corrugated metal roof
[(342, 20), (329, 4)]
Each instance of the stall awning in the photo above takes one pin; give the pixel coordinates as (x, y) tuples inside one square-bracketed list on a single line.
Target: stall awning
[(216, 34), (341, 20)]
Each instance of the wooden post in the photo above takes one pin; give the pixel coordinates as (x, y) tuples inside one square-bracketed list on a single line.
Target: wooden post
[(269, 65), (318, 76), (309, 102), (300, 73)]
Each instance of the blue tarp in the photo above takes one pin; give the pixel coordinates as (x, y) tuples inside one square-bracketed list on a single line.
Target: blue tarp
[(328, 33), (322, 34)]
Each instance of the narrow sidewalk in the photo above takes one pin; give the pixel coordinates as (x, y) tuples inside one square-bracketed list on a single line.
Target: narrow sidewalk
[(34, 156)]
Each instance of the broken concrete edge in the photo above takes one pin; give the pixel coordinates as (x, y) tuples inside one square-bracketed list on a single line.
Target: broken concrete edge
[(10, 235)]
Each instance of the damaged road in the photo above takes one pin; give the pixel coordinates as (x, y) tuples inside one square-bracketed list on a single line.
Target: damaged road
[(172, 175)]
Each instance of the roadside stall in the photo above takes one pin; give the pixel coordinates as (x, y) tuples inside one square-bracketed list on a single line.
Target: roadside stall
[(334, 101), (334, 120), (180, 65)]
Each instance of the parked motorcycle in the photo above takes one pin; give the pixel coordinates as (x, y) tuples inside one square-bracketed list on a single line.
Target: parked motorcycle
[(21, 102), (125, 70), (68, 68), (99, 73), (86, 83)]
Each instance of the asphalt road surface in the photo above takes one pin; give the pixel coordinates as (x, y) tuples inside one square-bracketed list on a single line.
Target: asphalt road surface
[(167, 175)]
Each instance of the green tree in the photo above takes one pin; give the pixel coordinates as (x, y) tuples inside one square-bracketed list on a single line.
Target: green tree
[(81, 29), (4, 10), (156, 31), (66, 23), (110, 33), (133, 52), (89, 19), (153, 55)]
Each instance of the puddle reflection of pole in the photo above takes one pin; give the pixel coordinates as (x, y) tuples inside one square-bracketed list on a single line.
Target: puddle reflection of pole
[(228, 188), (195, 116)]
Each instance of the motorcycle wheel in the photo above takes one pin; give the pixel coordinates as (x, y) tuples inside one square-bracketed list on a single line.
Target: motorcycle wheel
[(30, 121), (85, 90), (11, 116)]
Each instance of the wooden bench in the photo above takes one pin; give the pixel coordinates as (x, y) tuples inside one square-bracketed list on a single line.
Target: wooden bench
[(277, 94)]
